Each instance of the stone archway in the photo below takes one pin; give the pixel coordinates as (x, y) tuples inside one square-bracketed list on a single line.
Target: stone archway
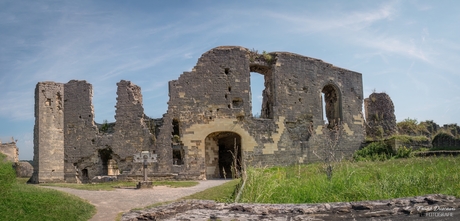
[(223, 155)]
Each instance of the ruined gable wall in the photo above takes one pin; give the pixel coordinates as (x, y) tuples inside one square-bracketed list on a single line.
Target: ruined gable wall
[(203, 103), (214, 97), (79, 130), (299, 82), (220, 77), (131, 135), (48, 133)]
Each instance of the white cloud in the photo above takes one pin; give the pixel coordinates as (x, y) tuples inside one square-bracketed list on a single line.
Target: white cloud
[(17, 106), (353, 21)]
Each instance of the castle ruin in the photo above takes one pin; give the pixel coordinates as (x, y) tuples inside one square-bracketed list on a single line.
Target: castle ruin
[(209, 130)]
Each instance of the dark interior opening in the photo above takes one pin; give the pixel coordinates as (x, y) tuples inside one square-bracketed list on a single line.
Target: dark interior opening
[(229, 158), (105, 155), (176, 128), (178, 155), (237, 102), (84, 175)]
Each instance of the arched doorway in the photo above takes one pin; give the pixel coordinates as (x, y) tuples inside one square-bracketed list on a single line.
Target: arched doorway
[(223, 155), (332, 105)]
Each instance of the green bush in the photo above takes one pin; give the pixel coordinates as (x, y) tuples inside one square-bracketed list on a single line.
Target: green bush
[(7, 175), (408, 126), (380, 151), (374, 151), (404, 152)]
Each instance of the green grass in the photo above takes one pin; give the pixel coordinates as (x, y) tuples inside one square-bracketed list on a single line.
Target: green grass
[(108, 186), (354, 181), (29, 202), (19, 201), (175, 184), (222, 193), (407, 139)]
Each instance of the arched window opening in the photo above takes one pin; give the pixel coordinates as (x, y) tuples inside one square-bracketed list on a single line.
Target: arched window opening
[(332, 107), (323, 106), (261, 91), (257, 87)]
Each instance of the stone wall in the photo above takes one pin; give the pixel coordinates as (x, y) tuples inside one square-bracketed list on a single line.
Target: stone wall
[(49, 133), (78, 146), (380, 116), (131, 134), (79, 130), (215, 97), (209, 123), (10, 150)]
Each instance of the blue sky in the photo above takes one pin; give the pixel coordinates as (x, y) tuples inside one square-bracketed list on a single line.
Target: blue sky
[(408, 49)]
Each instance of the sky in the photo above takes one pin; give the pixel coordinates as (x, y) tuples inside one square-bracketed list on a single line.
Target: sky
[(408, 49)]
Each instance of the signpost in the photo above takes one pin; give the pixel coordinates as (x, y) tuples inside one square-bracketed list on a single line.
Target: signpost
[(145, 157)]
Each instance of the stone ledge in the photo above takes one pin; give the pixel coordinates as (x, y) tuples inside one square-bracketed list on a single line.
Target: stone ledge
[(411, 208)]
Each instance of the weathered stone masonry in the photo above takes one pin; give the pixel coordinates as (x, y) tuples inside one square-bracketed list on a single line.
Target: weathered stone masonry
[(215, 97), (49, 133), (10, 150), (209, 125), (85, 151)]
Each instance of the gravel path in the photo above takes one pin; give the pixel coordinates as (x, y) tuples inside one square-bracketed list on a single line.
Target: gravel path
[(110, 203)]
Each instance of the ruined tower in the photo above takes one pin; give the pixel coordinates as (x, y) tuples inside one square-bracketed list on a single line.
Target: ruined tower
[(48, 133), (79, 128), (380, 116)]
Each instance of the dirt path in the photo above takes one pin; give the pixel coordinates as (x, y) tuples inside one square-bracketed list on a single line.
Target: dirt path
[(110, 203)]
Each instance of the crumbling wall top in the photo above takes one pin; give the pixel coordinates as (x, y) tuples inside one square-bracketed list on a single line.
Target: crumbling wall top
[(10, 150)]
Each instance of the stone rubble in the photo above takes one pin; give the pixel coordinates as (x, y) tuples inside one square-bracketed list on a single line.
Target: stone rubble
[(428, 207)]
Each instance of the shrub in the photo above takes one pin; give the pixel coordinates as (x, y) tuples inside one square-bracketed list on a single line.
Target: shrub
[(104, 126), (374, 151), (408, 126), (380, 151), (403, 152)]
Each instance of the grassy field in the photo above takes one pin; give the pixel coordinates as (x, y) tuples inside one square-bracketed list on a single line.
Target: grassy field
[(354, 181), (119, 184), (19, 201)]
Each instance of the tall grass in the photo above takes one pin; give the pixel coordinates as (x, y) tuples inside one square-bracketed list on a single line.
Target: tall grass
[(355, 181)]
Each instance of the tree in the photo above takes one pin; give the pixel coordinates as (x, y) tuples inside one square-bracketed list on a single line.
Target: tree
[(328, 151)]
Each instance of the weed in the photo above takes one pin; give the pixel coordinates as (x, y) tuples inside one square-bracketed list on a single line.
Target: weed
[(329, 148)]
